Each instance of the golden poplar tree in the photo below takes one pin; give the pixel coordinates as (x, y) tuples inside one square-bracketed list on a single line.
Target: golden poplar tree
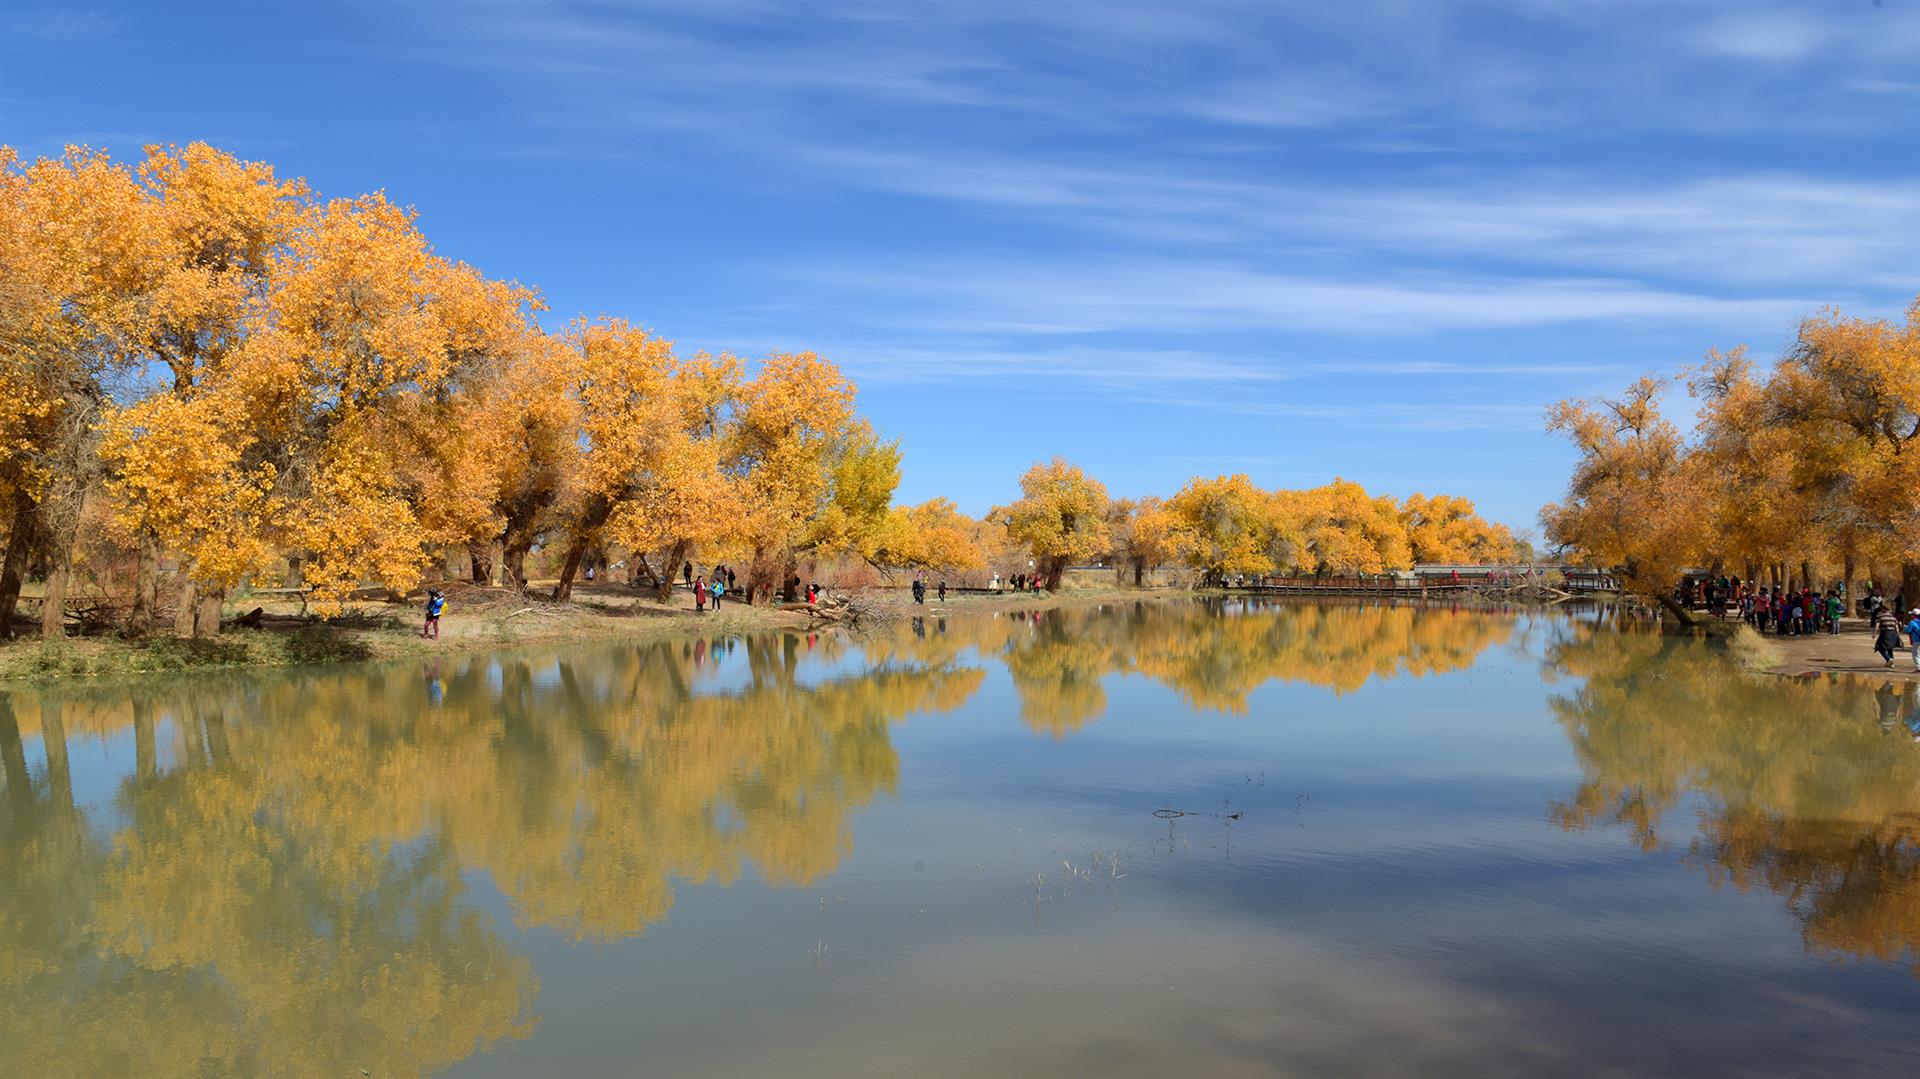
[(1061, 518)]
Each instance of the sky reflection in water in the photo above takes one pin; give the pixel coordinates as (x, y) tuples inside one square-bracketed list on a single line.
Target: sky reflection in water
[(1468, 843)]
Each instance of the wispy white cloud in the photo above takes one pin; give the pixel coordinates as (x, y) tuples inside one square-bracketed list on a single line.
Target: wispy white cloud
[(1755, 33), (1120, 369), (1093, 296), (55, 23), (1378, 410)]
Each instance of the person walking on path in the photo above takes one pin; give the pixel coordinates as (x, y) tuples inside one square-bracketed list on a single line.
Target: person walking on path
[(700, 594), (919, 590), (1886, 633), (436, 603), (686, 573), (943, 591), (1913, 636)]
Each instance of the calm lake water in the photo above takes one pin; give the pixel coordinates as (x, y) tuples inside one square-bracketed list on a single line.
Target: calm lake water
[(1413, 841)]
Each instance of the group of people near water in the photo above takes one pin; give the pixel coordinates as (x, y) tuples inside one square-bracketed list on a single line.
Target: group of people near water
[(711, 588), (714, 586), (1790, 613), (1782, 611), (1019, 582)]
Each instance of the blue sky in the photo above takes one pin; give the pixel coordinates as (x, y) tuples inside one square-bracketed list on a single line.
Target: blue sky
[(1372, 240)]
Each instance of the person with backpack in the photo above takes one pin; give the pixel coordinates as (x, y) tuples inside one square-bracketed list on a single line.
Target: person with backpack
[(436, 604)]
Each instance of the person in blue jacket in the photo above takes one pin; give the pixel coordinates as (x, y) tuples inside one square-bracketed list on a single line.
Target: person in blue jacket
[(1912, 630), (436, 603)]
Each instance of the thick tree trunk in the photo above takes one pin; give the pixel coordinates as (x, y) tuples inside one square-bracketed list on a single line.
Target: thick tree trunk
[(513, 562), (1806, 574), (1909, 585), (564, 590), (670, 568), (1846, 576), (1054, 568), (22, 538), (53, 607), (146, 585), (1139, 571), (186, 605), (206, 617), (480, 563)]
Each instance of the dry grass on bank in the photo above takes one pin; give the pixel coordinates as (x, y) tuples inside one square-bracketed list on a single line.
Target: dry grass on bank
[(477, 619)]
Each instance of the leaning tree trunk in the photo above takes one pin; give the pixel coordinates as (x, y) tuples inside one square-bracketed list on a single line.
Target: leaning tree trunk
[(1056, 567), (1674, 608), (564, 589), (21, 541), (669, 568), (641, 568)]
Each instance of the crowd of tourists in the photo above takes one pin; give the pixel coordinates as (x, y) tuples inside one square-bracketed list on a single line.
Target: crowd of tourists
[(1787, 612)]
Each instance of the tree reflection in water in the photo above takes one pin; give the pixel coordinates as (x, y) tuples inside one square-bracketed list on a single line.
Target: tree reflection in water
[(278, 886), (1213, 654), (1808, 788), (280, 879)]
